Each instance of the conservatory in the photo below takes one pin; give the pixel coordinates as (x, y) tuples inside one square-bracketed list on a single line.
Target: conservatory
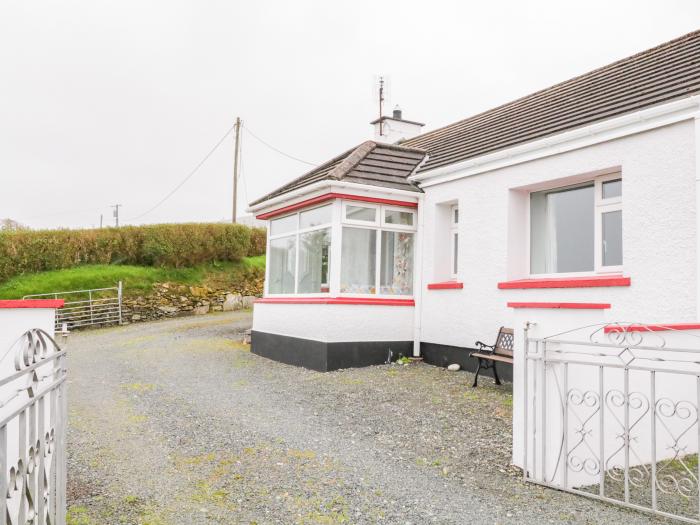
[(341, 269)]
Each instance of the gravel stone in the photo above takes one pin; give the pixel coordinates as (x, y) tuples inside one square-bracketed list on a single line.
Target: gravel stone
[(176, 422)]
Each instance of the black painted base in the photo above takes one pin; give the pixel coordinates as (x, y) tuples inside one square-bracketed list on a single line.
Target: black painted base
[(444, 355), (325, 357)]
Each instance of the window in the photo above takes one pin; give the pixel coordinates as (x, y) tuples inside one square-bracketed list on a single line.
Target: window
[(282, 264), (299, 259), (398, 217), (577, 228), (609, 223), (397, 263), (377, 258), (363, 214), (314, 260), (454, 240), (358, 261)]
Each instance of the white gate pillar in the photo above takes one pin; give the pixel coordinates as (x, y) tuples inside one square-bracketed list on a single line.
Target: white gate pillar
[(543, 321)]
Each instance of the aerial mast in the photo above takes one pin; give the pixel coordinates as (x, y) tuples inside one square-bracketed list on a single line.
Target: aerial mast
[(381, 105)]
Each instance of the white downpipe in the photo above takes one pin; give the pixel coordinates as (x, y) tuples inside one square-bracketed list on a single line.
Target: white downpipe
[(418, 278), (697, 215)]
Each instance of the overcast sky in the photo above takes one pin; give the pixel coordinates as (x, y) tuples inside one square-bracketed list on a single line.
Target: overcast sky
[(105, 102)]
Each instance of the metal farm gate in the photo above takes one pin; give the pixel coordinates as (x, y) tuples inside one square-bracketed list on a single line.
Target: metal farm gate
[(97, 306), (33, 414), (611, 413)]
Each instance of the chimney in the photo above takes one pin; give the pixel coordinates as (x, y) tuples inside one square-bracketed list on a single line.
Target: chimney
[(394, 129)]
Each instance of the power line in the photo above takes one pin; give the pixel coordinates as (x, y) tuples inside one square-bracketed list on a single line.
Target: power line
[(189, 175), (277, 150)]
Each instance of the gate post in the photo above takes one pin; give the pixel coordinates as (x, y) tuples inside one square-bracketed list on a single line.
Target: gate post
[(119, 300)]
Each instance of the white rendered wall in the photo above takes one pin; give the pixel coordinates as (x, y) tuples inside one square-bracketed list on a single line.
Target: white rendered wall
[(335, 322), (15, 321), (659, 237)]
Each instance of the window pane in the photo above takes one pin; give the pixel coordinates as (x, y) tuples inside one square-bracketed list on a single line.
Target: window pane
[(612, 238), (562, 231), (283, 225), (398, 217), (282, 260), (358, 261), (455, 253), (314, 261), (360, 213), (612, 189), (397, 263), (315, 217)]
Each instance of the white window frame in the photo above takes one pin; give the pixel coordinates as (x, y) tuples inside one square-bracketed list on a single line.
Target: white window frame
[(377, 214), (604, 206), (379, 226), (297, 234), (391, 226), (454, 232), (600, 206)]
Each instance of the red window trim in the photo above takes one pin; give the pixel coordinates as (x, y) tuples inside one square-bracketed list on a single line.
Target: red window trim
[(337, 300), (447, 285), (567, 282), (573, 306), (31, 303), (652, 327), (331, 196)]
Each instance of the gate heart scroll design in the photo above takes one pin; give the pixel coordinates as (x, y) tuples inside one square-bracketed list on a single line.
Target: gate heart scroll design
[(686, 483), (638, 406), (588, 404)]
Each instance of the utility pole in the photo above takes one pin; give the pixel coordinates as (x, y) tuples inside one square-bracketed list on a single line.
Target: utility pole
[(100, 221), (116, 213), (235, 166)]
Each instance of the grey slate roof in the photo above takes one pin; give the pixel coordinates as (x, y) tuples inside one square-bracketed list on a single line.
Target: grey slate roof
[(661, 74), (664, 73), (373, 163)]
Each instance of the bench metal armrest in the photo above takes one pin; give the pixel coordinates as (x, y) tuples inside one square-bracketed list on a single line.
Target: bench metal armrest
[(485, 348)]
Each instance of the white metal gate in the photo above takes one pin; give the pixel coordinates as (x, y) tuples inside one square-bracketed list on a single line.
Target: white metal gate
[(611, 413), (97, 306), (33, 414)]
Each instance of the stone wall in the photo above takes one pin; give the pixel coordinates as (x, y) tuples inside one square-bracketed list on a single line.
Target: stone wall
[(173, 300)]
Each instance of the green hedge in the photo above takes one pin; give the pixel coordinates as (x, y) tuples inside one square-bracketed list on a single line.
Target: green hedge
[(175, 245)]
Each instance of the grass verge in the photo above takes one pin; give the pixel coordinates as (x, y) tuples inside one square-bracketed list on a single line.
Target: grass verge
[(137, 280)]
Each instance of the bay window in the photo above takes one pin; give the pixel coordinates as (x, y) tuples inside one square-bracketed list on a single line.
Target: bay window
[(578, 228), (375, 256)]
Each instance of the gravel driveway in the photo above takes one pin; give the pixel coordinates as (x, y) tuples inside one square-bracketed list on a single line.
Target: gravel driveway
[(176, 422)]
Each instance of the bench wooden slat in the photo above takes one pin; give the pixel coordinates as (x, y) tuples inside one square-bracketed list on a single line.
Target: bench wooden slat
[(493, 357)]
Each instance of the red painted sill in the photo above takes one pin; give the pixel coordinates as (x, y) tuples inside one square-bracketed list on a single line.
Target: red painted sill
[(447, 285), (652, 327), (572, 306), (337, 300), (31, 303), (567, 282)]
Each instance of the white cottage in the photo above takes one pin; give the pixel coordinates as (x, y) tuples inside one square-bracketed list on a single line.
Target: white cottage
[(576, 204)]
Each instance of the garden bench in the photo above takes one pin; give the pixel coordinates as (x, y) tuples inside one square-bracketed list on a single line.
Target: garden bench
[(499, 352)]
